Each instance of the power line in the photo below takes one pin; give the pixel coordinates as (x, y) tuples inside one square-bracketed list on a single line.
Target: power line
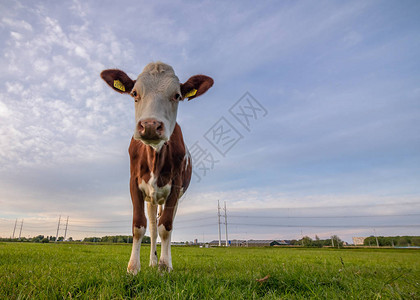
[(328, 226), (97, 231), (101, 227), (329, 207), (97, 222), (195, 226), (324, 217)]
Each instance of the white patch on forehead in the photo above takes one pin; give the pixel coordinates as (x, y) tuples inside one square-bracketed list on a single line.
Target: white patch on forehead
[(158, 77), (157, 86)]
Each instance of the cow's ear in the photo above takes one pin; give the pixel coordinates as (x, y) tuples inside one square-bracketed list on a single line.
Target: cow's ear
[(196, 86), (118, 80)]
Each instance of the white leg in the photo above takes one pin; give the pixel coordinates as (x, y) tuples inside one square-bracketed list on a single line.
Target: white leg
[(134, 263), (165, 261), (151, 212)]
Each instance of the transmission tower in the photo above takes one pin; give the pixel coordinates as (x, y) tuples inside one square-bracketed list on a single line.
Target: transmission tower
[(218, 216), (58, 228)]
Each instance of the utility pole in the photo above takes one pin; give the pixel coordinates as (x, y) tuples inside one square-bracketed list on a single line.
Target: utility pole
[(332, 241), (301, 234), (226, 226), (376, 237), (65, 232), (58, 228), (20, 232), (14, 229), (218, 215)]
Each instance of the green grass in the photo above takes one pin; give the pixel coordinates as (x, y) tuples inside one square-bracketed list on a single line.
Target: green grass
[(56, 271)]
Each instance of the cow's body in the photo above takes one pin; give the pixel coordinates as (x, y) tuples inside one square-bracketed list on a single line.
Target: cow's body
[(158, 178), (160, 164)]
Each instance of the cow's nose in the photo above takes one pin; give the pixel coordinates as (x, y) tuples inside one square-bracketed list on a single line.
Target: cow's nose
[(150, 129)]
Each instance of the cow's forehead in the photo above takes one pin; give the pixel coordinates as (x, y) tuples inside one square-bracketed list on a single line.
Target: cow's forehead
[(158, 76), (155, 68)]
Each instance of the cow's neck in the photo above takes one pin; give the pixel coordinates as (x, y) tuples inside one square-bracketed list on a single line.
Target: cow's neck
[(156, 159)]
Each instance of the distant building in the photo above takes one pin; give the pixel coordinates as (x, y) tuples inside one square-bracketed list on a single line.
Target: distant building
[(262, 243), (215, 243), (283, 242), (237, 243), (358, 241), (251, 243)]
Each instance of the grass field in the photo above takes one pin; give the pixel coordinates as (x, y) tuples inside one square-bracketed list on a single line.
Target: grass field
[(51, 271)]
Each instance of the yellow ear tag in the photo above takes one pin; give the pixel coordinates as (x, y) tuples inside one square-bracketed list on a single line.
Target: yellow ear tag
[(118, 85), (190, 93)]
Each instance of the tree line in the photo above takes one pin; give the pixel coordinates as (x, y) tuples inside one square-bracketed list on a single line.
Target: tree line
[(306, 241), (392, 241), (104, 239), (36, 239), (115, 239)]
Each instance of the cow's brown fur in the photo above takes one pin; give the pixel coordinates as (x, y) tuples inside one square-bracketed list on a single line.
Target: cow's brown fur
[(199, 82), (169, 165), (114, 74)]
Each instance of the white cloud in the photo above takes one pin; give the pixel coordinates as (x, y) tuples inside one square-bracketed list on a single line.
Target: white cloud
[(4, 111), (17, 24)]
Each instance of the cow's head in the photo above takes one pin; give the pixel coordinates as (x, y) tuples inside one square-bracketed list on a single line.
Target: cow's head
[(156, 94)]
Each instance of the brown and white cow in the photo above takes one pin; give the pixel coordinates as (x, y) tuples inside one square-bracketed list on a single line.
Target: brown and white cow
[(160, 164)]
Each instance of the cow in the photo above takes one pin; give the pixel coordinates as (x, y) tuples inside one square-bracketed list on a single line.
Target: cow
[(160, 163)]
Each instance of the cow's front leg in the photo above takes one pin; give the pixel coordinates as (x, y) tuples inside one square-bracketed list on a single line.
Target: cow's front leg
[(165, 230), (151, 212), (139, 226)]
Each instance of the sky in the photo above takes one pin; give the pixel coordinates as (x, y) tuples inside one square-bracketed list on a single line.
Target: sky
[(311, 127)]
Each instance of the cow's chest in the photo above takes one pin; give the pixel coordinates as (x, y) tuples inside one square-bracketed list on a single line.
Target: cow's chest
[(152, 192)]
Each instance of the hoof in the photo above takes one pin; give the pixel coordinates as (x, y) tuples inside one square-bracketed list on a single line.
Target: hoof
[(133, 269), (153, 263), (164, 267), (153, 260)]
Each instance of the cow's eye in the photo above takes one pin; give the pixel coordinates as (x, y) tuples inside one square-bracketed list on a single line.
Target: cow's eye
[(177, 97), (134, 93)]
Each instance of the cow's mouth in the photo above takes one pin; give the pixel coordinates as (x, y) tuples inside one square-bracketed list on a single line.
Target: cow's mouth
[(154, 143)]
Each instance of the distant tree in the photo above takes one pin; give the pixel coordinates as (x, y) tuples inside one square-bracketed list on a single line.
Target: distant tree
[(337, 241), (415, 241), (92, 239), (45, 240), (307, 241), (70, 239), (38, 239), (61, 238), (317, 242), (402, 241)]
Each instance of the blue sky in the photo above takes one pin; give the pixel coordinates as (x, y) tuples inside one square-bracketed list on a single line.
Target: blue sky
[(339, 82)]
